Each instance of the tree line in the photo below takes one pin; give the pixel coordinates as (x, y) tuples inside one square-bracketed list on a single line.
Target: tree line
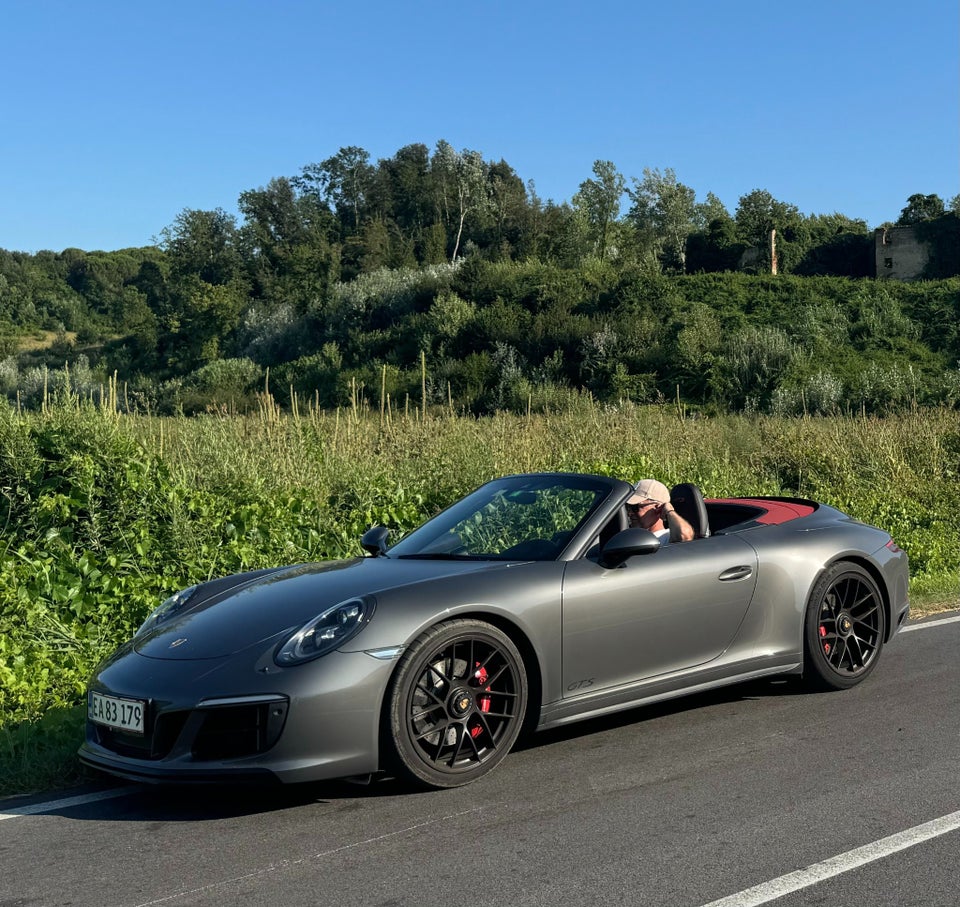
[(444, 271)]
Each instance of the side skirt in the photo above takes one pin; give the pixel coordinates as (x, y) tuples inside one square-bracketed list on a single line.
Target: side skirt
[(592, 705)]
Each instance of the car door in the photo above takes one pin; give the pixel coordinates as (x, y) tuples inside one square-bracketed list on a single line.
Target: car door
[(673, 609)]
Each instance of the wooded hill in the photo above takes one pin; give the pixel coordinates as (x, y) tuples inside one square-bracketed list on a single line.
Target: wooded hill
[(444, 275)]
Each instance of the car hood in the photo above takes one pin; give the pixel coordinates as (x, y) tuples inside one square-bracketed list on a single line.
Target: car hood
[(217, 624)]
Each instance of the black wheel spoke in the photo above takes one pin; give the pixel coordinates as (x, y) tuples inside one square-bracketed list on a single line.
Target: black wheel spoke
[(429, 692), (866, 597), (491, 739), (485, 661), (844, 593), (855, 648), (439, 728), (492, 714), (839, 652), (493, 679), (866, 649), (459, 732), (454, 661), (432, 669), (473, 744), (427, 710), (862, 618)]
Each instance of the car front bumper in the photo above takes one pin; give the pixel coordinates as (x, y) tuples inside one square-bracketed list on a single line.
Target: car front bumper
[(229, 720)]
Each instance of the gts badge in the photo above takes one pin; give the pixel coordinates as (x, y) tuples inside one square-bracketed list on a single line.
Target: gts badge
[(580, 685)]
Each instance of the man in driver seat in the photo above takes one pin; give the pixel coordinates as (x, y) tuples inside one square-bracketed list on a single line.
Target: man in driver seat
[(649, 507)]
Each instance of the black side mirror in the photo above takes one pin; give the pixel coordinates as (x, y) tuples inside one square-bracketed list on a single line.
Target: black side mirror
[(626, 544), (374, 540)]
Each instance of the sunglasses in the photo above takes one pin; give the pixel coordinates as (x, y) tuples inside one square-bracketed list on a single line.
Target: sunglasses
[(636, 508)]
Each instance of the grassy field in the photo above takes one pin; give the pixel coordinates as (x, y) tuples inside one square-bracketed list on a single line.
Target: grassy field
[(104, 515)]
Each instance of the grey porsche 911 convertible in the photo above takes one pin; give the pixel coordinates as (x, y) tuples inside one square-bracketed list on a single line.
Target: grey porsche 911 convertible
[(528, 603)]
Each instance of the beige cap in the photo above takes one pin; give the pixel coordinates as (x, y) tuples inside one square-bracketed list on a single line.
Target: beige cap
[(650, 490)]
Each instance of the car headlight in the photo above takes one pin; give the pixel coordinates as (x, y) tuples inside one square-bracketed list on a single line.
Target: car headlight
[(326, 632), (168, 609)]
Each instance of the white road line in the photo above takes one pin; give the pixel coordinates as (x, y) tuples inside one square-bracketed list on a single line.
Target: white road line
[(852, 859), (929, 623), (51, 806)]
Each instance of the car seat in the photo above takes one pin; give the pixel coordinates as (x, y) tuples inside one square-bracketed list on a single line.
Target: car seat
[(688, 502)]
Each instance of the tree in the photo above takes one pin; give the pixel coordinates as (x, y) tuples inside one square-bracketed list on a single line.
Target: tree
[(839, 245), (401, 190), (715, 248), (462, 187), (203, 316), (286, 241), (207, 288), (758, 213), (508, 204), (598, 200), (204, 244), (273, 219), (710, 210), (343, 181), (665, 208), (920, 208)]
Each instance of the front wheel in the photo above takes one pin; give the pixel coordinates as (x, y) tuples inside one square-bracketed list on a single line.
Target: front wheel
[(456, 704), (844, 628)]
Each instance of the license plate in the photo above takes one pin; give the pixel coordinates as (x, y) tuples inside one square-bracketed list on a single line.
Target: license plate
[(123, 714)]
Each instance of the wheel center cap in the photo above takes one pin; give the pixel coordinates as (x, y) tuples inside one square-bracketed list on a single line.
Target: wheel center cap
[(845, 624), (461, 702)]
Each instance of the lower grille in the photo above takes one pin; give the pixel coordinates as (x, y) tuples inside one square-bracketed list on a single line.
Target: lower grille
[(234, 731), (154, 745)]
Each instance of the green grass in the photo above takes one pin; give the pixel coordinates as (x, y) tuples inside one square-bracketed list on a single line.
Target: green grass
[(41, 755), (105, 515)]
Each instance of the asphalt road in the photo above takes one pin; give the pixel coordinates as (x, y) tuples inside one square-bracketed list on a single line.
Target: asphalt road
[(844, 799)]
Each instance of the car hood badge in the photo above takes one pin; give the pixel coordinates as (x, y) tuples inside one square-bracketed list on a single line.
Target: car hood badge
[(178, 642)]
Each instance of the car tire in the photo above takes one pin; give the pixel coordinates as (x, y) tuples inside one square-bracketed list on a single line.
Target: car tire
[(844, 628), (456, 704)]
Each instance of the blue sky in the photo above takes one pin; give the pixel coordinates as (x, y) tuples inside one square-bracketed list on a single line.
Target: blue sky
[(118, 115)]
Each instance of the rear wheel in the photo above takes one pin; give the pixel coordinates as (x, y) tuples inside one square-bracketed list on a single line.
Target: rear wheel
[(844, 628), (456, 704)]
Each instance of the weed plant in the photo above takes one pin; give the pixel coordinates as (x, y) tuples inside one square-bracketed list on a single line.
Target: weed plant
[(104, 515)]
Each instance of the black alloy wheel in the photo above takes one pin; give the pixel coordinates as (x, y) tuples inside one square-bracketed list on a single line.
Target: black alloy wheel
[(844, 628), (456, 705)]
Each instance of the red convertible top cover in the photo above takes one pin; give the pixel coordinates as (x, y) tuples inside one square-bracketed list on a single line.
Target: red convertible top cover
[(775, 511)]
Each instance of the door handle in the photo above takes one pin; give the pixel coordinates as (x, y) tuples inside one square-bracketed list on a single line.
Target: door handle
[(734, 573)]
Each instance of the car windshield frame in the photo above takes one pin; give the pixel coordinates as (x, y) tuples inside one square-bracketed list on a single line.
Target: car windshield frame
[(526, 517)]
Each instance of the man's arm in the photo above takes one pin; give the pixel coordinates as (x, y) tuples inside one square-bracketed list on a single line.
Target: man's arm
[(680, 529)]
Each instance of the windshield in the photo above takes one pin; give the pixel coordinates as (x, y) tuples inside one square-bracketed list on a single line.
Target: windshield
[(522, 517)]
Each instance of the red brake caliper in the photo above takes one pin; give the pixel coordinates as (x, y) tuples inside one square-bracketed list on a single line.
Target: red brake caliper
[(481, 675), (826, 645)]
